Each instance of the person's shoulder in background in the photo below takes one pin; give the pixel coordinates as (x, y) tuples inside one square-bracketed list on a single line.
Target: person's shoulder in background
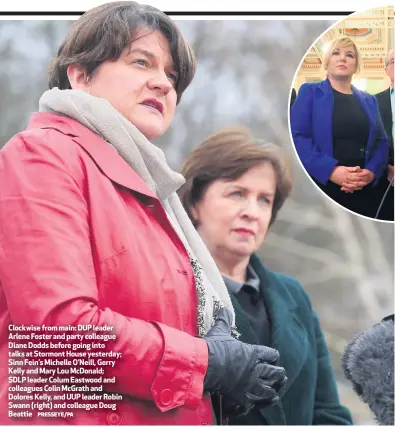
[(383, 93), (293, 97), (368, 96)]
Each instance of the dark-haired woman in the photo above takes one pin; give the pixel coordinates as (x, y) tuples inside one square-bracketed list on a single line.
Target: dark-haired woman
[(92, 233), (234, 190)]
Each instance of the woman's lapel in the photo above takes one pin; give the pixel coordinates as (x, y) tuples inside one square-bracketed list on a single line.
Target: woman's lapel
[(244, 326), (371, 113), (322, 117), (289, 336)]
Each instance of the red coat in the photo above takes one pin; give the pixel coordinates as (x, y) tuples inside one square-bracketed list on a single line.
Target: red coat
[(83, 240)]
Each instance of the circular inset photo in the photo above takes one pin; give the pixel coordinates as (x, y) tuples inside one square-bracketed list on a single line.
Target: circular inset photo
[(342, 109)]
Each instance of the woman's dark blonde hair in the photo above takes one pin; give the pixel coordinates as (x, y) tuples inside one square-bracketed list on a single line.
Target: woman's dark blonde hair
[(228, 154), (102, 33), (342, 42)]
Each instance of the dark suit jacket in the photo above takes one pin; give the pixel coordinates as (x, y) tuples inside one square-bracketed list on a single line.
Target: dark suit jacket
[(311, 126), (293, 97), (384, 102), (310, 395)]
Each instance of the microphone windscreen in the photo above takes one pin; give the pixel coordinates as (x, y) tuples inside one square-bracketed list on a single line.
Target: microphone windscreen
[(368, 362)]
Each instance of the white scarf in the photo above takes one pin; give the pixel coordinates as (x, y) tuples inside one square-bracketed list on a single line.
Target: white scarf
[(150, 163)]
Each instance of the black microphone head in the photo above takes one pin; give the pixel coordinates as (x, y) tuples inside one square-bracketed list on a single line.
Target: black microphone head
[(368, 362)]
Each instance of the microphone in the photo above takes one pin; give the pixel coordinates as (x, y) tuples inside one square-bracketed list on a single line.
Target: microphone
[(368, 362)]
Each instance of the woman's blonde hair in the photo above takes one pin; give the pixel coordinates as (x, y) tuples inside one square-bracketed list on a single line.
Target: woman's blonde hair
[(342, 42)]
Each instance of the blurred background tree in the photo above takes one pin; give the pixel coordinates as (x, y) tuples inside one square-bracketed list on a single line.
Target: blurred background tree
[(244, 75)]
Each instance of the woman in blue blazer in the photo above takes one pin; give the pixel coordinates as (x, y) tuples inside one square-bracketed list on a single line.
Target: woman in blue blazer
[(338, 132)]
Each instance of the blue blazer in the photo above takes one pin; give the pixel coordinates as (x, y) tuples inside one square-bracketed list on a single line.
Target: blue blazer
[(311, 126)]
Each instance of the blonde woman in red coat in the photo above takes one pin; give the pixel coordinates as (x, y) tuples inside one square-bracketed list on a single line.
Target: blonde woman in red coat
[(92, 233)]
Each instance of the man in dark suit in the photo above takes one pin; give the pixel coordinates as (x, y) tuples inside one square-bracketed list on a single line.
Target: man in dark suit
[(385, 100), (293, 97)]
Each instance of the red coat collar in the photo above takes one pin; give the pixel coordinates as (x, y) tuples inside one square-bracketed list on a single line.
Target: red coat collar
[(104, 155)]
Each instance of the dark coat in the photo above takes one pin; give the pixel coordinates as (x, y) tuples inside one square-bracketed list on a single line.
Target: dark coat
[(293, 97), (387, 210), (384, 102), (310, 395)]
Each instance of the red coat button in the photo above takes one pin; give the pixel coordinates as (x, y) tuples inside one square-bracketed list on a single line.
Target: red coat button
[(166, 397), (113, 418)]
